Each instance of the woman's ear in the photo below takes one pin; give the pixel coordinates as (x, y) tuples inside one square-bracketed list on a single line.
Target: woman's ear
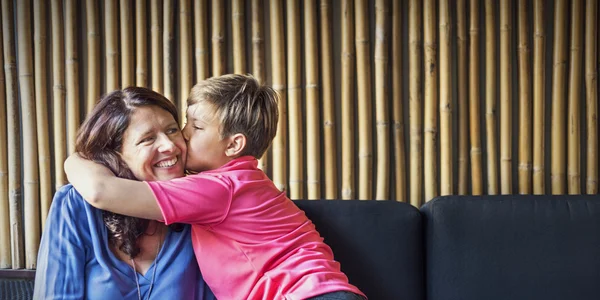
[(236, 144)]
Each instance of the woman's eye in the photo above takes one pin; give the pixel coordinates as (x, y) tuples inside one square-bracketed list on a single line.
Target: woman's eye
[(146, 140), (172, 130), (198, 128)]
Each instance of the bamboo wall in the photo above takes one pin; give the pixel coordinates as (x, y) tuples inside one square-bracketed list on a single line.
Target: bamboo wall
[(400, 100)]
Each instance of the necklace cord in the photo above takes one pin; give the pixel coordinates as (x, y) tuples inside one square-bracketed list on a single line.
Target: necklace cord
[(137, 283)]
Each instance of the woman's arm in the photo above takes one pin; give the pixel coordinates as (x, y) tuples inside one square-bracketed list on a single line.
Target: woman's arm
[(102, 189), (60, 270)]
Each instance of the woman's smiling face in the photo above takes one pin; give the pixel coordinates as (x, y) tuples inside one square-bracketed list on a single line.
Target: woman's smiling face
[(153, 146)]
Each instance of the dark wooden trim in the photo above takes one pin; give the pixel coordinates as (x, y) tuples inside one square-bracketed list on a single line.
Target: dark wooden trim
[(17, 273)]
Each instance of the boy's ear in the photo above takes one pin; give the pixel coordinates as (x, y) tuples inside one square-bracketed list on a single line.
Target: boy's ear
[(237, 143)]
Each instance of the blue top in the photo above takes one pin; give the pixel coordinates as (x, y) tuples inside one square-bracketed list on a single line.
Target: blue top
[(75, 261)]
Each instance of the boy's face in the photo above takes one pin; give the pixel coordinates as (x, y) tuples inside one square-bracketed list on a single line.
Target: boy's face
[(206, 148)]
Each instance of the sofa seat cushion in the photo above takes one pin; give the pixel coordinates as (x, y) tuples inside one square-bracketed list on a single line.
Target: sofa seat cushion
[(512, 247), (378, 243)]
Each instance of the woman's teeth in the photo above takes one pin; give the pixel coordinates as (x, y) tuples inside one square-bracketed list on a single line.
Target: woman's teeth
[(167, 163)]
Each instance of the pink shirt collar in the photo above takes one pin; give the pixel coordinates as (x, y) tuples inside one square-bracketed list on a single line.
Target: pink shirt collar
[(247, 162)]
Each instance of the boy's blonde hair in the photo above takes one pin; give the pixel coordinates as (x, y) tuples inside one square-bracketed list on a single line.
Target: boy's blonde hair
[(243, 106)]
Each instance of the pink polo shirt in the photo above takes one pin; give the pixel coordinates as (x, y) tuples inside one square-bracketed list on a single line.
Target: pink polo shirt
[(250, 240)]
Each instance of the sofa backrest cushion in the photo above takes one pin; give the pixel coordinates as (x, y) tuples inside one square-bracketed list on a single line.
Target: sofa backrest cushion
[(512, 247), (378, 243)]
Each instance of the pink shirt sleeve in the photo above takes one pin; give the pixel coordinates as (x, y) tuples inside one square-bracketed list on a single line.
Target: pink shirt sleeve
[(196, 199)]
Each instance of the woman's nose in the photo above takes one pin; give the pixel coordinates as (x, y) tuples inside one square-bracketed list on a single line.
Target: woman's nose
[(166, 144)]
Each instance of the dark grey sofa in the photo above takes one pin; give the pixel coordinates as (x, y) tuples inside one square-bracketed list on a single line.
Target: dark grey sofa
[(489, 247), (462, 247)]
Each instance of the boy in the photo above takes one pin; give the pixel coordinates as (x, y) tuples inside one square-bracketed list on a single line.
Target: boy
[(250, 240)]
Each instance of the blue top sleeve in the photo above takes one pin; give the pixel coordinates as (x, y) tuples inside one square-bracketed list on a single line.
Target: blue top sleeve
[(75, 261)]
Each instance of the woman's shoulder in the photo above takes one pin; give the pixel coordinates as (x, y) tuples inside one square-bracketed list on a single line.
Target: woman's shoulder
[(68, 199)]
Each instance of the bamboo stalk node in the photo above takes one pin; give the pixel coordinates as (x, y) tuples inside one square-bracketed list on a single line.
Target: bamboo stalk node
[(475, 150), (278, 87), (365, 155), (328, 123), (430, 130), (525, 167), (560, 63), (381, 58), (523, 48), (362, 41), (474, 31), (200, 51)]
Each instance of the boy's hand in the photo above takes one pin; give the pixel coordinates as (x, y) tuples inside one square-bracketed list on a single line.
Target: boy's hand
[(75, 165), (86, 175)]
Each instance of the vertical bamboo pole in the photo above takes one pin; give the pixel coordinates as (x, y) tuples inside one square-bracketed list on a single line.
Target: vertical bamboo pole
[(278, 63), (219, 52), (539, 60), (574, 127), (169, 49), (431, 101), (111, 45), (294, 93), (72, 72), (398, 114), (239, 41), (381, 108), (258, 58), (474, 99), (347, 99), (525, 150), (127, 55), (415, 100), (156, 48), (558, 100), (591, 93), (141, 50), (58, 93), (4, 198), (329, 132), (313, 135), (200, 29), (92, 12), (363, 71), (445, 105), (14, 141), (185, 56), (30, 175), (490, 96), (41, 104), (505, 99), (463, 105)]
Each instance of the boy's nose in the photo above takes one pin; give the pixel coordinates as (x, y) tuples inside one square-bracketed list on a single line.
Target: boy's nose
[(185, 132)]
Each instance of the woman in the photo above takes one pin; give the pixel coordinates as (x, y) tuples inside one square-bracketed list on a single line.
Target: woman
[(89, 253)]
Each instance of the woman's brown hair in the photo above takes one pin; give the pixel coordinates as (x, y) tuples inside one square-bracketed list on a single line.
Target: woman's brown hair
[(100, 138)]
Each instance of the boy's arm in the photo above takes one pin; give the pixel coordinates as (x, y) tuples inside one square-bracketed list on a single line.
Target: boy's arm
[(103, 190)]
